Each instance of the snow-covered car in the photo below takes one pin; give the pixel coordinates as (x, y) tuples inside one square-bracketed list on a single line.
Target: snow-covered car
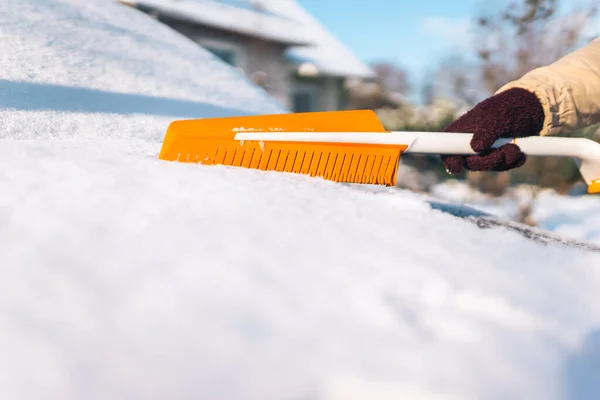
[(123, 276)]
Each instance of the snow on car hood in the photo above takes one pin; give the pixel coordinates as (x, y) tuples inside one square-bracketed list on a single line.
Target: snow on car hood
[(123, 276)]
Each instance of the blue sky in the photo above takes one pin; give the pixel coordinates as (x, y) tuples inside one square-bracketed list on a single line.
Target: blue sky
[(414, 34)]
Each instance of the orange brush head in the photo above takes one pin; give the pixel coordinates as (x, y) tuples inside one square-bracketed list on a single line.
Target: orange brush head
[(212, 142)]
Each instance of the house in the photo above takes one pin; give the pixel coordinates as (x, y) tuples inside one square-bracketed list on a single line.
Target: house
[(275, 43)]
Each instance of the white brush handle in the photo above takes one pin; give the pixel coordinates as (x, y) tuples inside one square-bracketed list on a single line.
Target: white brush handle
[(460, 143), (586, 151), (426, 142)]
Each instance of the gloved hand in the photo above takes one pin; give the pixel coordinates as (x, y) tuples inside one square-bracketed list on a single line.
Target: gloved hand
[(510, 114)]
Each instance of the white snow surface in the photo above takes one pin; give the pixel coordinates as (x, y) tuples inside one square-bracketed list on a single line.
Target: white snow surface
[(126, 277)]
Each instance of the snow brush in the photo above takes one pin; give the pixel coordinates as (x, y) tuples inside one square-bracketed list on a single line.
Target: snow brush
[(341, 146)]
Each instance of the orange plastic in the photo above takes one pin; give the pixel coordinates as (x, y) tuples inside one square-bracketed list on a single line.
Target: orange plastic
[(594, 187), (211, 142)]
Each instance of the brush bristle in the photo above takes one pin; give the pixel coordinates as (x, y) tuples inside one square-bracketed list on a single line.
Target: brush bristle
[(364, 164)]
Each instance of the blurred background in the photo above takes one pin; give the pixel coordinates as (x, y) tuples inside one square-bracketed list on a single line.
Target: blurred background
[(418, 64)]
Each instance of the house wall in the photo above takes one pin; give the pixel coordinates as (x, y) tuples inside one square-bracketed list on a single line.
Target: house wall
[(254, 57), (259, 59), (269, 58)]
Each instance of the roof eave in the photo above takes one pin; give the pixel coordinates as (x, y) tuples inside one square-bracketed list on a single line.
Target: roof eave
[(175, 15), (321, 71)]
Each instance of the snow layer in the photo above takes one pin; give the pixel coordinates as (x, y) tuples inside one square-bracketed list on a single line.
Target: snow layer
[(107, 58), (124, 277)]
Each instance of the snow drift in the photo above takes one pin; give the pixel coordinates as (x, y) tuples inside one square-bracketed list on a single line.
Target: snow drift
[(126, 277)]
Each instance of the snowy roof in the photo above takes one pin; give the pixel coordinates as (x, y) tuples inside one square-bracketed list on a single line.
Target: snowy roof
[(271, 19), (326, 52), (241, 16)]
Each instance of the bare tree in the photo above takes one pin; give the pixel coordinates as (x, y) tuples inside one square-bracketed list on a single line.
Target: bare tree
[(457, 79), (391, 77), (524, 35), (509, 41), (387, 90)]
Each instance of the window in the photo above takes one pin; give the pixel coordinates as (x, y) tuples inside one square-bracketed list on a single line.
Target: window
[(228, 51), (304, 99), (227, 55), (303, 102)]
